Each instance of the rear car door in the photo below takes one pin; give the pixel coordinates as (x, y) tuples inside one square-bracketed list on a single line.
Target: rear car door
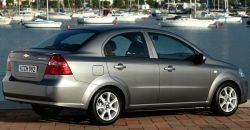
[(181, 80), (129, 63)]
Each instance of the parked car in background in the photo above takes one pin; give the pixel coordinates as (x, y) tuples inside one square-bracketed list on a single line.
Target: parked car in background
[(106, 70)]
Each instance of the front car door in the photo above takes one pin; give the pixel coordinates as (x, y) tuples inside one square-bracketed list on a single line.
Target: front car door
[(181, 81), (128, 62)]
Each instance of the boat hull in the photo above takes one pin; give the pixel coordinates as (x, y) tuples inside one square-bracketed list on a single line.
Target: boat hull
[(99, 20), (187, 23), (23, 18), (229, 19), (5, 21), (44, 24)]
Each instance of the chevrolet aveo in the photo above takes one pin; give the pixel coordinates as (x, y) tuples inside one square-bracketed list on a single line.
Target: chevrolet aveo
[(107, 70)]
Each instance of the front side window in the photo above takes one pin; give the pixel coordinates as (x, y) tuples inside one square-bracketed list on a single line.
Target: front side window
[(168, 47), (67, 40), (130, 44)]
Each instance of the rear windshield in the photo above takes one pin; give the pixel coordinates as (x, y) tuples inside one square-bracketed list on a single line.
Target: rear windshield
[(66, 41)]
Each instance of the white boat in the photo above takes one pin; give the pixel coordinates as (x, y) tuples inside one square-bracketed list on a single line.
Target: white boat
[(99, 20), (23, 15), (187, 22), (232, 19), (40, 23), (229, 19), (60, 16), (132, 17), (179, 21), (242, 14), (83, 14), (127, 16), (57, 16), (4, 20)]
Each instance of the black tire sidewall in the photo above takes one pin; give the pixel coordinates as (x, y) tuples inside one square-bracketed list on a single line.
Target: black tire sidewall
[(216, 106), (92, 110)]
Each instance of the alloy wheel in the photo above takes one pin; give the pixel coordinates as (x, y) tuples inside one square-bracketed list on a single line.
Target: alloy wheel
[(228, 99), (107, 106)]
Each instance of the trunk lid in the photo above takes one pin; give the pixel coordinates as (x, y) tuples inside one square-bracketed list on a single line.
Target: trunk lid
[(29, 65)]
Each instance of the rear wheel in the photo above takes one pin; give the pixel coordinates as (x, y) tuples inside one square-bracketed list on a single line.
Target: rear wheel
[(226, 99), (105, 107), (46, 111)]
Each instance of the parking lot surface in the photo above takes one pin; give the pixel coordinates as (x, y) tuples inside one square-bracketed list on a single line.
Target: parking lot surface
[(26, 119)]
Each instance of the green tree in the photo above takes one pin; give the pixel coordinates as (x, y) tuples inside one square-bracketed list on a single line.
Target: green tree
[(243, 2), (118, 4), (106, 4), (151, 3), (25, 3), (10, 2), (95, 3), (141, 2), (52, 4), (126, 3)]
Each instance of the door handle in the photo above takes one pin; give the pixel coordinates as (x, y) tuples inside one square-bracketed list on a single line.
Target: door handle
[(169, 68), (119, 66)]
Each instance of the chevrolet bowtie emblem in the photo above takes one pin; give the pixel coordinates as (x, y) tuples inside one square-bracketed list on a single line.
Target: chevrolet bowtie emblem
[(26, 55)]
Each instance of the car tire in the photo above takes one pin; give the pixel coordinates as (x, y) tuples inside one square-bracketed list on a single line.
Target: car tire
[(46, 111), (105, 106), (226, 99)]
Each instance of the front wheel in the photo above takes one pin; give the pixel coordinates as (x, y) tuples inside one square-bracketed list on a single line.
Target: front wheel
[(226, 100), (105, 107)]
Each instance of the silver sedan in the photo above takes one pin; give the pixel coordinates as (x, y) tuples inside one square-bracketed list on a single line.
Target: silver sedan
[(107, 70)]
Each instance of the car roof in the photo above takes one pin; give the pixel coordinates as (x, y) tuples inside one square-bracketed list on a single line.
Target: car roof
[(114, 27)]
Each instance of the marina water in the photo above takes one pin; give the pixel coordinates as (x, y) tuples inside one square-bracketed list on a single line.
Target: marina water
[(230, 42)]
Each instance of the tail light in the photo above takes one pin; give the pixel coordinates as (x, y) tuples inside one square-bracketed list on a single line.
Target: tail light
[(57, 66), (8, 66)]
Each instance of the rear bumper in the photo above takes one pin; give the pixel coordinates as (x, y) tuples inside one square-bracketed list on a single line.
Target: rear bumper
[(62, 91)]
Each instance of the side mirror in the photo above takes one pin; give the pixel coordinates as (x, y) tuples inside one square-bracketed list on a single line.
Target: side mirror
[(199, 58)]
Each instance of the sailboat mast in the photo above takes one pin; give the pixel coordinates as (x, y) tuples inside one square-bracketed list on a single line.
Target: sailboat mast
[(226, 5), (58, 6), (130, 4), (195, 9), (138, 3), (218, 5), (18, 2), (245, 5), (37, 4), (214, 4), (190, 8), (47, 10), (168, 6)]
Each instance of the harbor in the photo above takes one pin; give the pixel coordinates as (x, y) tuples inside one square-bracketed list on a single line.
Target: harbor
[(226, 41), (181, 13)]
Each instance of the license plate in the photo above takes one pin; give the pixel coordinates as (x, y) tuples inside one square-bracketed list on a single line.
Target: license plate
[(27, 68)]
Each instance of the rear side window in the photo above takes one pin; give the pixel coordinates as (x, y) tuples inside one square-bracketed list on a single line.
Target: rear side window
[(131, 44), (67, 40)]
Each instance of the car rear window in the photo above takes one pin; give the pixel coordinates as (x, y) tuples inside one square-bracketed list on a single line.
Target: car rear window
[(66, 41)]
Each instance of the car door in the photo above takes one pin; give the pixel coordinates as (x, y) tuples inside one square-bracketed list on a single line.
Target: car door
[(129, 63), (181, 80)]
